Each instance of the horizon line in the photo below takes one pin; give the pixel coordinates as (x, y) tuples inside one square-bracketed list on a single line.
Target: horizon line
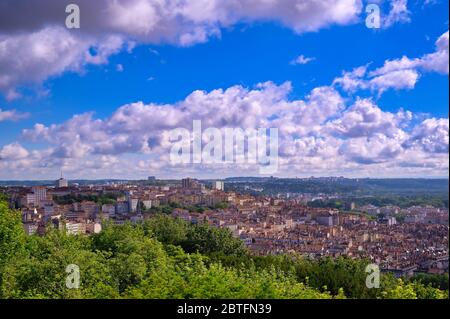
[(224, 178)]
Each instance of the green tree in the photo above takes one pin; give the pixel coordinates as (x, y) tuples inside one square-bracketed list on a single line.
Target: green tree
[(12, 236), (206, 240), (166, 229)]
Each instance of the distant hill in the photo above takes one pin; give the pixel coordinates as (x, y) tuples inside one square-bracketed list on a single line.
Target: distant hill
[(325, 185), (339, 185)]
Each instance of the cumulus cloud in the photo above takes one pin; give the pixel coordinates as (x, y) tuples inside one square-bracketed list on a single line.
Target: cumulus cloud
[(431, 135), (397, 74), (365, 119), (30, 58), (352, 81), (397, 80), (318, 134), (13, 151), (370, 150), (434, 62), (35, 45), (139, 127), (169, 20), (358, 80)]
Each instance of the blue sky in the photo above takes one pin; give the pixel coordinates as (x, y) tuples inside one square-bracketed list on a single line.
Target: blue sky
[(244, 54)]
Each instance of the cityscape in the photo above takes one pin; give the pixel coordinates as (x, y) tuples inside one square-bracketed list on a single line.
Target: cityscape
[(224, 157), (402, 240)]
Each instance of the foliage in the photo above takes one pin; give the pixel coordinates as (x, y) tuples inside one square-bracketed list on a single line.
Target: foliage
[(166, 229), (421, 189), (403, 201), (12, 237), (222, 205), (436, 281), (207, 240), (161, 209), (108, 198)]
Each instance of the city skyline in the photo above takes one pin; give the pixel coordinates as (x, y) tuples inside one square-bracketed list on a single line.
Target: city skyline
[(317, 220), (99, 102), (219, 178)]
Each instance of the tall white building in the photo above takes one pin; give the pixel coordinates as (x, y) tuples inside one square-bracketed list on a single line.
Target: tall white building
[(62, 182), (133, 204), (219, 185), (40, 194)]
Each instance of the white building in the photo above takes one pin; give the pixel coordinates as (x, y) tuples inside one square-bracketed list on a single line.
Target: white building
[(147, 203), (75, 228), (133, 204), (219, 185), (40, 194), (62, 182), (93, 228), (29, 199)]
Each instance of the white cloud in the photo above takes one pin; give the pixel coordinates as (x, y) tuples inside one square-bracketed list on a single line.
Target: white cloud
[(437, 61), (399, 13), (12, 115), (35, 45), (401, 79), (358, 80), (30, 58), (320, 134), (353, 80), (365, 119), (370, 150), (431, 135), (301, 59), (397, 74), (13, 152)]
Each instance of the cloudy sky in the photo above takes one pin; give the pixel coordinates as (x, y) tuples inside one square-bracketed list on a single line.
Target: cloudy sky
[(100, 101)]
